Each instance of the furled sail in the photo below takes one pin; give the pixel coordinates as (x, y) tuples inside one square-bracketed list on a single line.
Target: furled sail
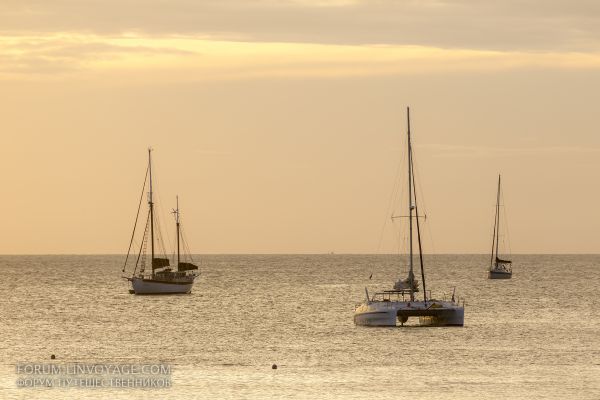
[(184, 266), (498, 260), (410, 283), (160, 263)]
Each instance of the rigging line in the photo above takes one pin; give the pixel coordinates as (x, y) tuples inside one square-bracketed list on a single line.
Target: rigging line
[(161, 241), (168, 236), (389, 211), (158, 218), (402, 182), (136, 217), (144, 255), (390, 207), (136, 244), (188, 253), (493, 230), (184, 240), (494, 237), (161, 214), (402, 245), (186, 250), (142, 244), (498, 217), (419, 235), (186, 247), (158, 230), (417, 174), (505, 218), (402, 240), (177, 219), (399, 242), (399, 203)]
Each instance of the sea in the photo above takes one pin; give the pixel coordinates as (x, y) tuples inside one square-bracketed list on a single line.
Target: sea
[(535, 336)]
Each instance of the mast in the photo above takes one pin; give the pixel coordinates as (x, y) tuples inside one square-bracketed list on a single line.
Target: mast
[(151, 205), (498, 217), (413, 194), (177, 224), (494, 237), (410, 207)]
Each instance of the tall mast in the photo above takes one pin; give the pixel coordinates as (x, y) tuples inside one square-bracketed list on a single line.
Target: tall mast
[(151, 205), (410, 206), (498, 217), (177, 224)]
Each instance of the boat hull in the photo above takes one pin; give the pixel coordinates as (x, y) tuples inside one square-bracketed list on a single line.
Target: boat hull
[(499, 274), (149, 286), (390, 313), (375, 318)]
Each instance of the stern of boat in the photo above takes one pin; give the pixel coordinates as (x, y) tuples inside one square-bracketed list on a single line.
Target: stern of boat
[(448, 315), (371, 314)]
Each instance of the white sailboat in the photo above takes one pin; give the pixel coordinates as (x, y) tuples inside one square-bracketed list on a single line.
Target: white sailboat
[(499, 268), (399, 304), (161, 279)]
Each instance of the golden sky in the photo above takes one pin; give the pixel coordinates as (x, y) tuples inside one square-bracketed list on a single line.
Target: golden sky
[(280, 124)]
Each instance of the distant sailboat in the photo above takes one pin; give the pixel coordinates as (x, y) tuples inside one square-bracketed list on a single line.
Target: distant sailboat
[(161, 279), (387, 307), (499, 268)]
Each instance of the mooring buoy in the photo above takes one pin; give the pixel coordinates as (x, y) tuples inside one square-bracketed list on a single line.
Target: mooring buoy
[(52, 357), (274, 366)]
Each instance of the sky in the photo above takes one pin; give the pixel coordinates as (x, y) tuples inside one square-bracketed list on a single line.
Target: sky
[(281, 124)]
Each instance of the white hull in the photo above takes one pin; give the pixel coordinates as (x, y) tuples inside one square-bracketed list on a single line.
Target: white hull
[(493, 274), (147, 286), (388, 313), (375, 318)]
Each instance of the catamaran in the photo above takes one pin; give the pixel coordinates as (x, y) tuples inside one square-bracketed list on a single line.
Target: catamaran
[(401, 303), (499, 268), (161, 278)]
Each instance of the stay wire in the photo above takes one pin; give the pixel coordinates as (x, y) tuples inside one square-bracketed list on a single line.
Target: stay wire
[(136, 219)]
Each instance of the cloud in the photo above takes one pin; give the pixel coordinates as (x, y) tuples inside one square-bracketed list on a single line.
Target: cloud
[(175, 58), (510, 25), (60, 54)]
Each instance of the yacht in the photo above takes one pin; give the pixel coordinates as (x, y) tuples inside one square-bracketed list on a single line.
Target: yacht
[(397, 305)]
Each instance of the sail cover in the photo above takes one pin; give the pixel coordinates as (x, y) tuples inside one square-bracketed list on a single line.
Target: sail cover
[(410, 283), (498, 260), (183, 266), (160, 262)]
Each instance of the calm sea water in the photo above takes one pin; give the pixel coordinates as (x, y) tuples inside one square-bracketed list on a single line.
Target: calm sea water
[(536, 336)]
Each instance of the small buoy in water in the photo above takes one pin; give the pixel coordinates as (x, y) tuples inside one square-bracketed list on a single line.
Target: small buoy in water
[(274, 366), (52, 357)]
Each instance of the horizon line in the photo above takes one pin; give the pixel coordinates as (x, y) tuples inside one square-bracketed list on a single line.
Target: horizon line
[(300, 254)]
